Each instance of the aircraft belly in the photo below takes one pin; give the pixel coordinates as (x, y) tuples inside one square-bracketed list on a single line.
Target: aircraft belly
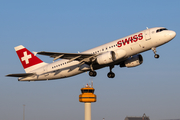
[(135, 48), (67, 72), (145, 45)]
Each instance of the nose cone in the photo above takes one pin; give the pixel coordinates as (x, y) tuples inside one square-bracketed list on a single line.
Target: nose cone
[(172, 34)]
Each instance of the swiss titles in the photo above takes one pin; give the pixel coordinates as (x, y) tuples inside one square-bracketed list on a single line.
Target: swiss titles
[(129, 40)]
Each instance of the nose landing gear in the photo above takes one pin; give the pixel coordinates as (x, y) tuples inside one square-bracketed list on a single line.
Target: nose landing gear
[(154, 50), (156, 56)]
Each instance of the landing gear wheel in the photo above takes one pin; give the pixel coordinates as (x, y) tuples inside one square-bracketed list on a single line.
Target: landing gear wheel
[(156, 56), (92, 73), (154, 50), (111, 75)]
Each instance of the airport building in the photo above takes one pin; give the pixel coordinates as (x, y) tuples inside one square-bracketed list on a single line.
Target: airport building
[(144, 117)]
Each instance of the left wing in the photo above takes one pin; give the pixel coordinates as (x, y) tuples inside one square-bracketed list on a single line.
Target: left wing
[(71, 56)]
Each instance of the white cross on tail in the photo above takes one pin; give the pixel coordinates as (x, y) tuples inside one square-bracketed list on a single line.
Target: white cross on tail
[(26, 57)]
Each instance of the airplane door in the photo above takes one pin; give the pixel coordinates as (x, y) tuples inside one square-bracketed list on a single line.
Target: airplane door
[(147, 34), (146, 42)]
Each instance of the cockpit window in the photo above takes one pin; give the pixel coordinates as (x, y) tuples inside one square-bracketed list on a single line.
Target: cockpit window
[(159, 30)]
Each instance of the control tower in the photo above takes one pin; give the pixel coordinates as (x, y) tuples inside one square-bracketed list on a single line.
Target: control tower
[(87, 97)]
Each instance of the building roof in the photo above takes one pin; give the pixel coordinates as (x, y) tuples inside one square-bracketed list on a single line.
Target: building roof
[(144, 117)]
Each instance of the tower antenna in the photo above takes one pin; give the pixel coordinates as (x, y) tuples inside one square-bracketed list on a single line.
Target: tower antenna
[(92, 82)]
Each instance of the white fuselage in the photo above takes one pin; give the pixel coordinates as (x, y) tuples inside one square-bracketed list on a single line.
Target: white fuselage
[(132, 44)]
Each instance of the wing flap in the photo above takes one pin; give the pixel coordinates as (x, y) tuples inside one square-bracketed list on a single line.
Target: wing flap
[(21, 75), (70, 56)]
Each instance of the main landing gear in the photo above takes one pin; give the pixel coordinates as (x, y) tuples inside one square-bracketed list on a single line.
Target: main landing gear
[(154, 50), (111, 74), (93, 73)]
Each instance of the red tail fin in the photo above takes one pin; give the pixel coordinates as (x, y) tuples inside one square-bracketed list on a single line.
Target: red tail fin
[(28, 59)]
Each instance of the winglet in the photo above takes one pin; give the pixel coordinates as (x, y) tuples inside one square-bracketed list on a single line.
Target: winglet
[(35, 53)]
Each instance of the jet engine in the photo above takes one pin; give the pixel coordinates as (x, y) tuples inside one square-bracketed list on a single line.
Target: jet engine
[(110, 56), (132, 61), (106, 58), (120, 54)]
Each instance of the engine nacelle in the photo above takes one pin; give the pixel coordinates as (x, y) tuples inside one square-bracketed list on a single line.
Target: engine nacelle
[(106, 58), (110, 56), (120, 54), (132, 61)]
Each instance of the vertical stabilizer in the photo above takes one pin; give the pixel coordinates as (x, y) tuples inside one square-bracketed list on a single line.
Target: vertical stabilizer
[(28, 60)]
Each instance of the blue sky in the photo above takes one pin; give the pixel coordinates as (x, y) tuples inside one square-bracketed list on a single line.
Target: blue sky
[(72, 26)]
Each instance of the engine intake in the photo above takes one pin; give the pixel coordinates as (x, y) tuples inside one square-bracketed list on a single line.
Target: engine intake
[(132, 61)]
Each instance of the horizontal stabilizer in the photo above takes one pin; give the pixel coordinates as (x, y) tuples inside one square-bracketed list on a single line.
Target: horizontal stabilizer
[(21, 75)]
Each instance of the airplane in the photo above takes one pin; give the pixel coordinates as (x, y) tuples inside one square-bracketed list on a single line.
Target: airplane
[(124, 52)]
